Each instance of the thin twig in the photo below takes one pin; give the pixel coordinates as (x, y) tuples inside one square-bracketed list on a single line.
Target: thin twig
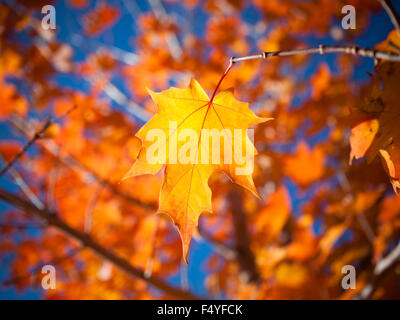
[(36, 136), (86, 240), (323, 49), (31, 141), (389, 8)]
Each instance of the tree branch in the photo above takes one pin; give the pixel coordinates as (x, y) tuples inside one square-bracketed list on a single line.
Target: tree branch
[(52, 219), (382, 268), (31, 141), (322, 49), (37, 135), (244, 255), (389, 8)]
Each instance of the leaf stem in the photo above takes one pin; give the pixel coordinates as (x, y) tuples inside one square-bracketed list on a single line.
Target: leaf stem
[(231, 62)]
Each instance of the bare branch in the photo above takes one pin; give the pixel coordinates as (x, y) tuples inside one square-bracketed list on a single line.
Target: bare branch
[(322, 49), (53, 220), (389, 8)]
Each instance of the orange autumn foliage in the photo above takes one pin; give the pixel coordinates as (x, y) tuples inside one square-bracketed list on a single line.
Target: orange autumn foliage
[(306, 165)]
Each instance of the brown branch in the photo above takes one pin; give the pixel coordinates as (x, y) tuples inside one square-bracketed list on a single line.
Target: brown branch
[(244, 255), (322, 49), (53, 220), (389, 8)]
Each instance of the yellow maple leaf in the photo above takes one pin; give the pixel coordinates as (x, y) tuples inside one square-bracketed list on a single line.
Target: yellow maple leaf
[(179, 135)]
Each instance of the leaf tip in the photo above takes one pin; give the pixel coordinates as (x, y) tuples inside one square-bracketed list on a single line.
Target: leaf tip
[(150, 92), (262, 119), (131, 173), (186, 237)]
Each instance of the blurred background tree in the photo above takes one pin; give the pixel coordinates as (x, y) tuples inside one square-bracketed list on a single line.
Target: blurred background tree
[(72, 98)]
